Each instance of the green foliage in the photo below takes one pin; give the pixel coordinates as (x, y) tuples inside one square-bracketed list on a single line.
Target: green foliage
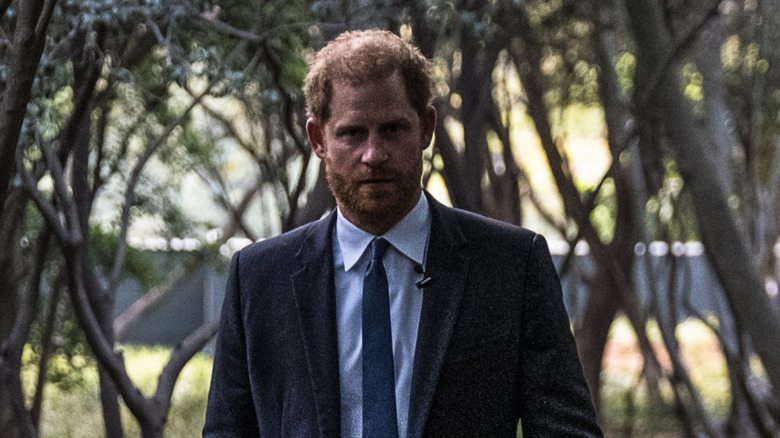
[(75, 411), (626, 407), (669, 213), (34, 221), (752, 82), (70, 358), (625, 68), (693, 82), (282, 27), (138, 264), (569, 60), (604, 214)]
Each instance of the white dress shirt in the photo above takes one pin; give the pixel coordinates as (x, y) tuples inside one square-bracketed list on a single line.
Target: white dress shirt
[(408, 242)]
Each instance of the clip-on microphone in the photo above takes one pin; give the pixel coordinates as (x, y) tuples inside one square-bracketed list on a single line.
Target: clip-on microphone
[(422, 284)]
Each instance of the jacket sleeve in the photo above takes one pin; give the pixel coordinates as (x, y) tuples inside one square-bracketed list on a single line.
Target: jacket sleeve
[(231, 411), (554, 396)]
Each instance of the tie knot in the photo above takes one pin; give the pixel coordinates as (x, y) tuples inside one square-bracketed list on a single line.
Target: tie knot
[(378, 248)]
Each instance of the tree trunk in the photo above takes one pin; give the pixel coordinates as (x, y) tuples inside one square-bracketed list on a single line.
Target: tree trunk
[(24, 57), (318, 201), (76, 138), (14, 419), (51, 322), (724, 242), (592, 334)]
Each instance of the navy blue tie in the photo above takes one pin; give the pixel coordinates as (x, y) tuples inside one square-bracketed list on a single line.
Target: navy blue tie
[(379, 413)]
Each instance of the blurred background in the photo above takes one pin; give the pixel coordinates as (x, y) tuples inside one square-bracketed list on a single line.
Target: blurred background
[(142, 142)]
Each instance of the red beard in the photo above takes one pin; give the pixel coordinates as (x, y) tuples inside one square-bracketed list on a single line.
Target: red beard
[(372, 202)]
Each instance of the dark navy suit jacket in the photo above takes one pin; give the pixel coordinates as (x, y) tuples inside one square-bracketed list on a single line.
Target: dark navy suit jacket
[(494, 342)]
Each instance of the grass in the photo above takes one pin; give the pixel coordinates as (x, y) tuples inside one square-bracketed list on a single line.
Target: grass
[(76, 413), (625, 407)]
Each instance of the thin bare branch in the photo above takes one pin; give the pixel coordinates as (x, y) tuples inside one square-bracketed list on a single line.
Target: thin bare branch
[(739, 367), (668, 57), (155, 29), (123, 321), (102, 124), (230, 30), (774, 179), (163, 41), (236, 212), (212, 17), (233, 131), (46, 347), (44, 206), (287, 112), (44, 18), (180, 356), (67, 203), (679, 377), (116, 272), (583, 221)]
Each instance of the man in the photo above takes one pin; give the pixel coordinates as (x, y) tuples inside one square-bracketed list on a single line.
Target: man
[(394, 315)]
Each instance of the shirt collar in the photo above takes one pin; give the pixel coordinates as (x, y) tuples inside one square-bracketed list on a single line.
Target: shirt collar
[(404, 236)]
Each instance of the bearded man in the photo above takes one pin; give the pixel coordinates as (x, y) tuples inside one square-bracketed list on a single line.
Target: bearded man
[(394, 316)]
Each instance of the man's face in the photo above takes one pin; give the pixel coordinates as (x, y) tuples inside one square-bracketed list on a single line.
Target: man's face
[(372, 147)]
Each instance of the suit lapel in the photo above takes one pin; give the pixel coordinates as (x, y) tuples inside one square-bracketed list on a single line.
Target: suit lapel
[(315, 300), (447, 265)]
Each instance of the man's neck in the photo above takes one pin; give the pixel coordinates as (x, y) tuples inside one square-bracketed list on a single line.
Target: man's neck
[(381, 224)]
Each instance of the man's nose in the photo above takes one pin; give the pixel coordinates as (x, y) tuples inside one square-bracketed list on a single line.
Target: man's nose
[(375, 152)]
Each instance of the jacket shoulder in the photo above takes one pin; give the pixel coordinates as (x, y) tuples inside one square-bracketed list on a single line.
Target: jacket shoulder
[(284, 246), (477, 228)]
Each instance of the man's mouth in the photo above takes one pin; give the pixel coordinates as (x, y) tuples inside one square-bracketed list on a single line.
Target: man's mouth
[(376, 180)]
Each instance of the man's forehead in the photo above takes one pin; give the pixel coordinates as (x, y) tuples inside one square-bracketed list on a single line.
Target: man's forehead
[(376, 116), (354, 70), (357, 78), (377, 94)]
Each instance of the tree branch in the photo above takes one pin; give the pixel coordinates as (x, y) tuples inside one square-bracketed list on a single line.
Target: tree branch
[(228, 124), (672, 53), (44, 206), (123, 321), (116, 272), (44, 18), (29, 308), (723, 240), (23, 60), (180, 356), (667, 323), (103, 350), (212, 17), (68, 204), (46, 348), (236, 212), (287, 110)]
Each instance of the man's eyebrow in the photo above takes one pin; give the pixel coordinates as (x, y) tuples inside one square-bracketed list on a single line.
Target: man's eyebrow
[(338, 129), (399, 120), (345, 125)]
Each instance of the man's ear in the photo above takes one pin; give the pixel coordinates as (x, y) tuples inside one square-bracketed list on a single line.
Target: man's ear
[(316, 137), (428, 126)]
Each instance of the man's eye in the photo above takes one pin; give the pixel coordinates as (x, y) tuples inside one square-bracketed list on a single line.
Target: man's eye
[(350, 132), (392, 128)]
